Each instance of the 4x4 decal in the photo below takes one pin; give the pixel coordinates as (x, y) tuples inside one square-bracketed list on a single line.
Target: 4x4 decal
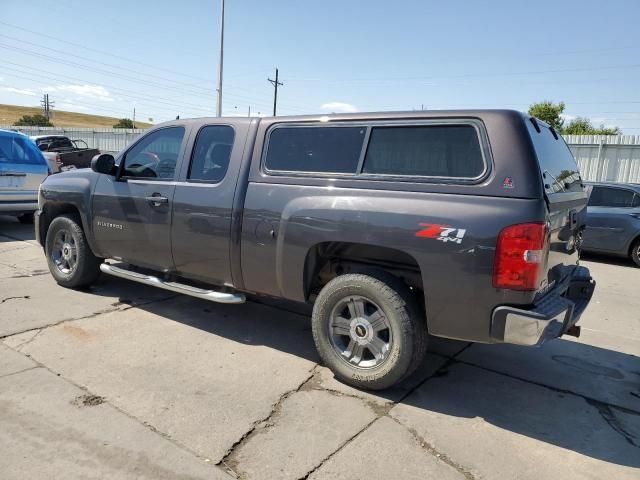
[(444, 233)]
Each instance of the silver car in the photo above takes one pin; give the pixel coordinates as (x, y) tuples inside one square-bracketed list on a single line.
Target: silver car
[(22, 170), (613, 220)]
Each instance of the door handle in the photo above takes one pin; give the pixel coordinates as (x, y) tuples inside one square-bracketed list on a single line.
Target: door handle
[(156, 200)]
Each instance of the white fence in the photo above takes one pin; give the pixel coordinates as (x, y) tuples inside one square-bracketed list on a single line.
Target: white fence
[(607, 158), (600, 157)]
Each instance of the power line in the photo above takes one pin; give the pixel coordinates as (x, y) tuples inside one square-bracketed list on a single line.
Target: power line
[(469, 75), (102, 52), (66, 54), (91, 69), (134, 95), (202, 91)]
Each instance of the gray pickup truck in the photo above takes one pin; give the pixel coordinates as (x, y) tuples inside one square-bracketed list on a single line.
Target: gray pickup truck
[(396, 226)]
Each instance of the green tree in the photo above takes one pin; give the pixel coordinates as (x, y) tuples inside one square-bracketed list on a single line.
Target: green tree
[(583, 126), (36, 120), (124, 123), (549, 112)]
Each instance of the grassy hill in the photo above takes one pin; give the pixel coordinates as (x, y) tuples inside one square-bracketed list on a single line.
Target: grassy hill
[(9, 114)]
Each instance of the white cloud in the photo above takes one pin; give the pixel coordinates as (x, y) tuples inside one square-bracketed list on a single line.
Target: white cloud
[(20, 91), (97, 92), (70, 106), (339, 107), (567, 118)]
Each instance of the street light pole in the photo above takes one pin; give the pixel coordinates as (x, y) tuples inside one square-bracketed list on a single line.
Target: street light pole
[(219, 90)]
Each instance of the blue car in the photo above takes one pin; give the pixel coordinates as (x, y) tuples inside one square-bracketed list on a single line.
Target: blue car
[(22, 170), (613, 220)]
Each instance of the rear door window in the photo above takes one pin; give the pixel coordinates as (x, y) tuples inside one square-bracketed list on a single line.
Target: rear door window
[(211, 153), (447, 151), (612, 197), (320, 149), (559, 168)]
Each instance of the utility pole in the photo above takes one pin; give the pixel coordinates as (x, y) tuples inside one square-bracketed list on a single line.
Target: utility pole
[(249, 114), (47, 105), (134, 117), (275, 84), (219, 103)]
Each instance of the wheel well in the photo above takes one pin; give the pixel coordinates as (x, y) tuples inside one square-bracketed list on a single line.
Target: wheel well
[(632, 244), (327, 260), (51, 211)]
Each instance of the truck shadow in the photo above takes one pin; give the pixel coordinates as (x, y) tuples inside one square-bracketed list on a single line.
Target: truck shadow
[(568, 394), (608, 259)]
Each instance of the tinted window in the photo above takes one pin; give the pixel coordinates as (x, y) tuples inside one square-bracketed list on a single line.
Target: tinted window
[(18, 149), (558, 167), (156, 155), (211, 153), (611, 197), (315, 149), (428, 151)]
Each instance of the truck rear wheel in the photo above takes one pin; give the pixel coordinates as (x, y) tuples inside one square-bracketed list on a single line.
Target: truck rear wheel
[(71, 261), (369, 330)]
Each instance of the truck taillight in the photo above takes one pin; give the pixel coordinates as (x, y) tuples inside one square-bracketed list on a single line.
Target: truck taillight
[(520, 256)]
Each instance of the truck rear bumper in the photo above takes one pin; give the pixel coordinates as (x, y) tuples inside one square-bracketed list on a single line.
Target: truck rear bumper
[(549, 318)]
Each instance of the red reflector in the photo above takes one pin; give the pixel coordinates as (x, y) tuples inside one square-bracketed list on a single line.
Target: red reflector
[(520, 256)]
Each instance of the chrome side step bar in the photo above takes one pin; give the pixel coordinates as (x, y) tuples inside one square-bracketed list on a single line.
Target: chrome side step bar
[(210, 295)]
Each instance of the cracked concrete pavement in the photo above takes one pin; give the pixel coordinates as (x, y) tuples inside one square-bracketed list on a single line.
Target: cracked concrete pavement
[(124, 381)]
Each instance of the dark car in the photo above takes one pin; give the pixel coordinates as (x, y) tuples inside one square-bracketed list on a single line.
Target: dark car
[(458, 224), (613, 220)]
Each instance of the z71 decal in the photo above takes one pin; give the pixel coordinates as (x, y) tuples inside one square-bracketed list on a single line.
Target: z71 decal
[(444, 233)]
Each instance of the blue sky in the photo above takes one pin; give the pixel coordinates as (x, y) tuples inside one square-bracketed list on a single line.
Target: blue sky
[(364, 55)]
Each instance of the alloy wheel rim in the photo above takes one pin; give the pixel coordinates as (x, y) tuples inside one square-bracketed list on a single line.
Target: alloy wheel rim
[(360, 332), (64, 253)]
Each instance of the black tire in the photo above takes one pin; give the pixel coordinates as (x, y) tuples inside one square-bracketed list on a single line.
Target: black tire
[(407, 332), (80, 273), (26, 218), (635, 253)]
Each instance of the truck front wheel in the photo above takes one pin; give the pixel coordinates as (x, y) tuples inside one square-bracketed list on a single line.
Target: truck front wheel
[(368, 329), (71, 261)]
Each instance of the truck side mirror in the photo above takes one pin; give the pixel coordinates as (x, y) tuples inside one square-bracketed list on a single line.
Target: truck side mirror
[(103, 163)]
